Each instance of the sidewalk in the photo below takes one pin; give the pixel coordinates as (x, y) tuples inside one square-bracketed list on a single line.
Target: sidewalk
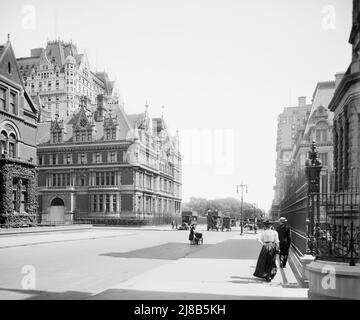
[(198, 277), (42, 235), (30, 230), (20, 240)]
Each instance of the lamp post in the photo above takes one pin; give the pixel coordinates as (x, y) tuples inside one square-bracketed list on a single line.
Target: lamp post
[(242, 187)]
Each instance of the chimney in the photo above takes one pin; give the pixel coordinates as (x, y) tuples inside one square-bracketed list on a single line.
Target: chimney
[(338, 77), (302, 101)]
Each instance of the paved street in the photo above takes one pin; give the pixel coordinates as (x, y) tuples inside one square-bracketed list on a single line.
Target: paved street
[(147, 263)]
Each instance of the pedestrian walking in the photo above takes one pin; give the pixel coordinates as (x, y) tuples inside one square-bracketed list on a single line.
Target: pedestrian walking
[(173, 224), (285, 241), (266, 264), (192, 234)]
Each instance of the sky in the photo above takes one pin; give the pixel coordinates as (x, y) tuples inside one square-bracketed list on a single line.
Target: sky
[(223, 70)]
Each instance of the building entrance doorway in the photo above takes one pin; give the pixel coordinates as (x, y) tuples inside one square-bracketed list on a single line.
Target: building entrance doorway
[(57, 211)]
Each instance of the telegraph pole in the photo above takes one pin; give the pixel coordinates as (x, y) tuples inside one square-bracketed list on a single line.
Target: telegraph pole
[(242, 187)]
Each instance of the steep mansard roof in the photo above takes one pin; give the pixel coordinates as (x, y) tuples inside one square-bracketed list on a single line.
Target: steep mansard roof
[(127, 125), (7, 54)]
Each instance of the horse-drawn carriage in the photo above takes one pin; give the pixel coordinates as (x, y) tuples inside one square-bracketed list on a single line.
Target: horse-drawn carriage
[(213, 220), (226, 223)]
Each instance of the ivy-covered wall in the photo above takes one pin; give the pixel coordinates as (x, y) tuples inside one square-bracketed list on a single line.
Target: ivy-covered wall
[(26, 172)]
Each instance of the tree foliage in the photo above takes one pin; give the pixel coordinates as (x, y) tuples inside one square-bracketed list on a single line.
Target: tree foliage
[(229, 206)]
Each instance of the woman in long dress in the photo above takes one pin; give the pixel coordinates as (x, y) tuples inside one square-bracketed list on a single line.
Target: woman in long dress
[(266, 264), (192, 233)]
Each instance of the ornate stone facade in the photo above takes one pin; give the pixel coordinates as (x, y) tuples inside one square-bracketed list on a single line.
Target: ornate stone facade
[(18, 123), (102, 162), (18, 193)]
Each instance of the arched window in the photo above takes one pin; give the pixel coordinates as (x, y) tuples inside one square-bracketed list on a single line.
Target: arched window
[(3, 142), (57, 202), (12, 146)]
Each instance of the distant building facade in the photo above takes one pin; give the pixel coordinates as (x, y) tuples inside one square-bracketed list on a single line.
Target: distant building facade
[(317, 127), (102, 162), (61, 76), (18, 123), (288, 123)]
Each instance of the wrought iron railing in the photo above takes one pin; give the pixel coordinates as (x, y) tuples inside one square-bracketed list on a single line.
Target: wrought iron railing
[(337, 221), (323, 211)]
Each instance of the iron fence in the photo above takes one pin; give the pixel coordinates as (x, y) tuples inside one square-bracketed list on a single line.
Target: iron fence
[(336, 228), (325, 218)]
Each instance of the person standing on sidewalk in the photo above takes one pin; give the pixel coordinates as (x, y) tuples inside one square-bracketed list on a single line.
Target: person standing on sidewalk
[(192, 233), (266, 264), (285, 241)]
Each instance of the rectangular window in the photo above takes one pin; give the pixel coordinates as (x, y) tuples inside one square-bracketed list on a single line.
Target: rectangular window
[(114, 209), (83, 158), (11, 150), (54, 158), (112, 157), (113, 137), (321, 135), (13, 102), (68, 158), (95, 203), (2, 99), (112, 178), (14, 197), (324, 159), (102, 178), (107, 178), (97, 178), (100, 202), (107, 203)]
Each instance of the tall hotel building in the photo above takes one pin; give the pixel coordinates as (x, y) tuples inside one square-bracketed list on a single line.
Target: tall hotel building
[(60, 76)]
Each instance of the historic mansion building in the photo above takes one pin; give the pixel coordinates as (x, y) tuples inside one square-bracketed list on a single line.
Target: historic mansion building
[(18, 123), (102, 162)]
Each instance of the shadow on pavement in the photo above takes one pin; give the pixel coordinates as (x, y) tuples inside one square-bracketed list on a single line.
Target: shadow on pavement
[(47, 295), (167, 251), (228, 249)]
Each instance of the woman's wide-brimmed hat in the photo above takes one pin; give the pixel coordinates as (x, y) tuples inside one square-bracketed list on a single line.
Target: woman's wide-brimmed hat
[(283, 219), (267, 222)]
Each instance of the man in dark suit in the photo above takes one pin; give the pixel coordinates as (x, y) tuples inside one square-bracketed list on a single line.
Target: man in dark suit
[(285, 241)]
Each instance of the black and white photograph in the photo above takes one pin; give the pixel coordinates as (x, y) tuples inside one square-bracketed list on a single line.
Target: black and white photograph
[(189, 152)]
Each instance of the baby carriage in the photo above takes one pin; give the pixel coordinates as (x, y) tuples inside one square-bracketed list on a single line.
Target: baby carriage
[(198, 238)]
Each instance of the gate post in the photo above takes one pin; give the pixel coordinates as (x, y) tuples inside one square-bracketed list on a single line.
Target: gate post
[(312, 170)]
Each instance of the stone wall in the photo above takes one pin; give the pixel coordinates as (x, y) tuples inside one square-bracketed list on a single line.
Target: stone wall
[(8, 171)]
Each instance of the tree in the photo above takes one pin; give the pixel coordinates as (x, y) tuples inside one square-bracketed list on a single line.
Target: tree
[(230, 206)]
